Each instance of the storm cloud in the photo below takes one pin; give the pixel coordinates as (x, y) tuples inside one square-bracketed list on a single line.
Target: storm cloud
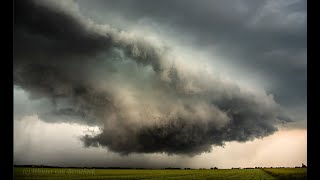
[(264, 38), (143, 94)]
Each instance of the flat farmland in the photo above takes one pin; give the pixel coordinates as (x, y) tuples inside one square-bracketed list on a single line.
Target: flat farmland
[(287, 173), (158, 174)]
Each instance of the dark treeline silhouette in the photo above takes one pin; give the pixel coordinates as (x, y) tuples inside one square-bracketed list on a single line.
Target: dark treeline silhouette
[(302, 166), (270, 167), (172, 168), (46, 166)]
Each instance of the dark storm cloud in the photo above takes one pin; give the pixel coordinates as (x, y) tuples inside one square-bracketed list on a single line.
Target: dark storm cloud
[(188, 135), (245, 31), (128, 85), (65, 35)]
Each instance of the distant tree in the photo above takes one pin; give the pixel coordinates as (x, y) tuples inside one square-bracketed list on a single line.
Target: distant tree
[(215, 168), (303, 165)]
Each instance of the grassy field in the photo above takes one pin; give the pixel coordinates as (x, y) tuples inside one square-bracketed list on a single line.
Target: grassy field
[(67, 173), (287, 173)]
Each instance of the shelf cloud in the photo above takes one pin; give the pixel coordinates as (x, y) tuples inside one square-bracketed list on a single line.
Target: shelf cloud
[(140, 91)]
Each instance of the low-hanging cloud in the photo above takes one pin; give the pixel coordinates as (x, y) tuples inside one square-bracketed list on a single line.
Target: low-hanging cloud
[(137, 89)]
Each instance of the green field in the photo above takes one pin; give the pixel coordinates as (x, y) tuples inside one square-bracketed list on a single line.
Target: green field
[(68, 173), (287, 173)]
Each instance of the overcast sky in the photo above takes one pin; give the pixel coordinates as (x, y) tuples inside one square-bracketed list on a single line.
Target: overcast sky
[(160, 83)]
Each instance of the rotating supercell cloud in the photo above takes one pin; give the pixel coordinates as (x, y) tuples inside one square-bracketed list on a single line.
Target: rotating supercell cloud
[(140, 91)]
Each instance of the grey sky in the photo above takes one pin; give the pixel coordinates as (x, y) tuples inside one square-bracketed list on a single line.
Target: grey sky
[(267, 38)]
